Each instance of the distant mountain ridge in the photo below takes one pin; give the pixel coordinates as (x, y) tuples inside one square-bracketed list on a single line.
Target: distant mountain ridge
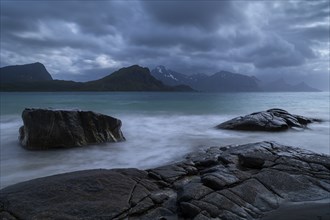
[(35, 77), (169, 77), (222, 81), (133, 78), (225, 81), (24, 73), (280, 85)]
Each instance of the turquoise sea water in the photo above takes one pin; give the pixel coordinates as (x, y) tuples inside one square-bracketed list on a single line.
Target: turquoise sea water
[(159, 127)]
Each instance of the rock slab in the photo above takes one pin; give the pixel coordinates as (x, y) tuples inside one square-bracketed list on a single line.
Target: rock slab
[(270, 120), (47, 129), (231, 182)]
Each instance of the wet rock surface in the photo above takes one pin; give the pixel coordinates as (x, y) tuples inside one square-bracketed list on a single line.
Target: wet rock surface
[(270, 120), (231, 182), (47, 129)]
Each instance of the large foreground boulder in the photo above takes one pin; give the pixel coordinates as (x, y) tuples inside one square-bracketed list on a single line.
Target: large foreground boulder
[(47, 129), (270, 120), (242, 182)]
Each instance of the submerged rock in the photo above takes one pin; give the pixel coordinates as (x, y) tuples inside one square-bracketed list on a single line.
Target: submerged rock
[(253, 180), (47, 129), (270, 120)]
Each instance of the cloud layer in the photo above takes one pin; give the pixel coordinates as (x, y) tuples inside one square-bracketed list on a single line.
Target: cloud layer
[(84, 40)]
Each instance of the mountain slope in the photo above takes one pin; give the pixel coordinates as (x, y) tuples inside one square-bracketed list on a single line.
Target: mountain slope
[(169, 77), (24, 73), (224, 81), (219, 82), (281, 85), (303, 87), (133, 78)]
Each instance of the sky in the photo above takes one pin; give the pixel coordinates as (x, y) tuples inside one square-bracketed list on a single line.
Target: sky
[(85, 40)]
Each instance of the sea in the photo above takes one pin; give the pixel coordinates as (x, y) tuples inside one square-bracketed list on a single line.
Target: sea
[(159, 127)]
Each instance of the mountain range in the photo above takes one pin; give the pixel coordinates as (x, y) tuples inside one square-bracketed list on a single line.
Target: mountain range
[(35, 77), (222, 81), (281, 85), (225, 81)]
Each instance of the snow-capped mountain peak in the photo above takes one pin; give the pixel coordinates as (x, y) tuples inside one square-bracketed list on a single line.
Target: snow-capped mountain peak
[(168, 76)]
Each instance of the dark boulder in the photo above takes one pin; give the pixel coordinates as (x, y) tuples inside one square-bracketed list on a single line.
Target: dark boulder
[(47, 129), (270, 120), (254, 180)]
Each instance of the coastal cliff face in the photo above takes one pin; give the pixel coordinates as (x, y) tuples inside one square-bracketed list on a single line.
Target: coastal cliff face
[(230, 182), (48, 129)]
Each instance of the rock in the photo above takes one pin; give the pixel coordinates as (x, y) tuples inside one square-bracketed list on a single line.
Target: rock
[(6, 216), (219, 179), (47, 129), (251, 161), (168, 173), (270, 120), (84, 194), (254, 180)]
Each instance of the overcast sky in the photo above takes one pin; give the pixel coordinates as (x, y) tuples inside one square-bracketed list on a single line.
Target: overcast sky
[(84, 40)]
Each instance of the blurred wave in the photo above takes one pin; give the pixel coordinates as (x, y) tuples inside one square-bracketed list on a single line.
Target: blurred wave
[(154, 137)]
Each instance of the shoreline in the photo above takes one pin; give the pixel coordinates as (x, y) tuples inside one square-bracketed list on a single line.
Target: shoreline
[(253, 181)]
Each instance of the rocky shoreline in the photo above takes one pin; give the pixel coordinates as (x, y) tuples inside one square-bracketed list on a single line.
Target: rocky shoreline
[(263, 180), (230, 182)]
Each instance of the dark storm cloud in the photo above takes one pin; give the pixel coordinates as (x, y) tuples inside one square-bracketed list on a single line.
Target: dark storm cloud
[(83, 39), (201, 14), (191, 40), (28, 12), (275, 52), (22, 17)]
